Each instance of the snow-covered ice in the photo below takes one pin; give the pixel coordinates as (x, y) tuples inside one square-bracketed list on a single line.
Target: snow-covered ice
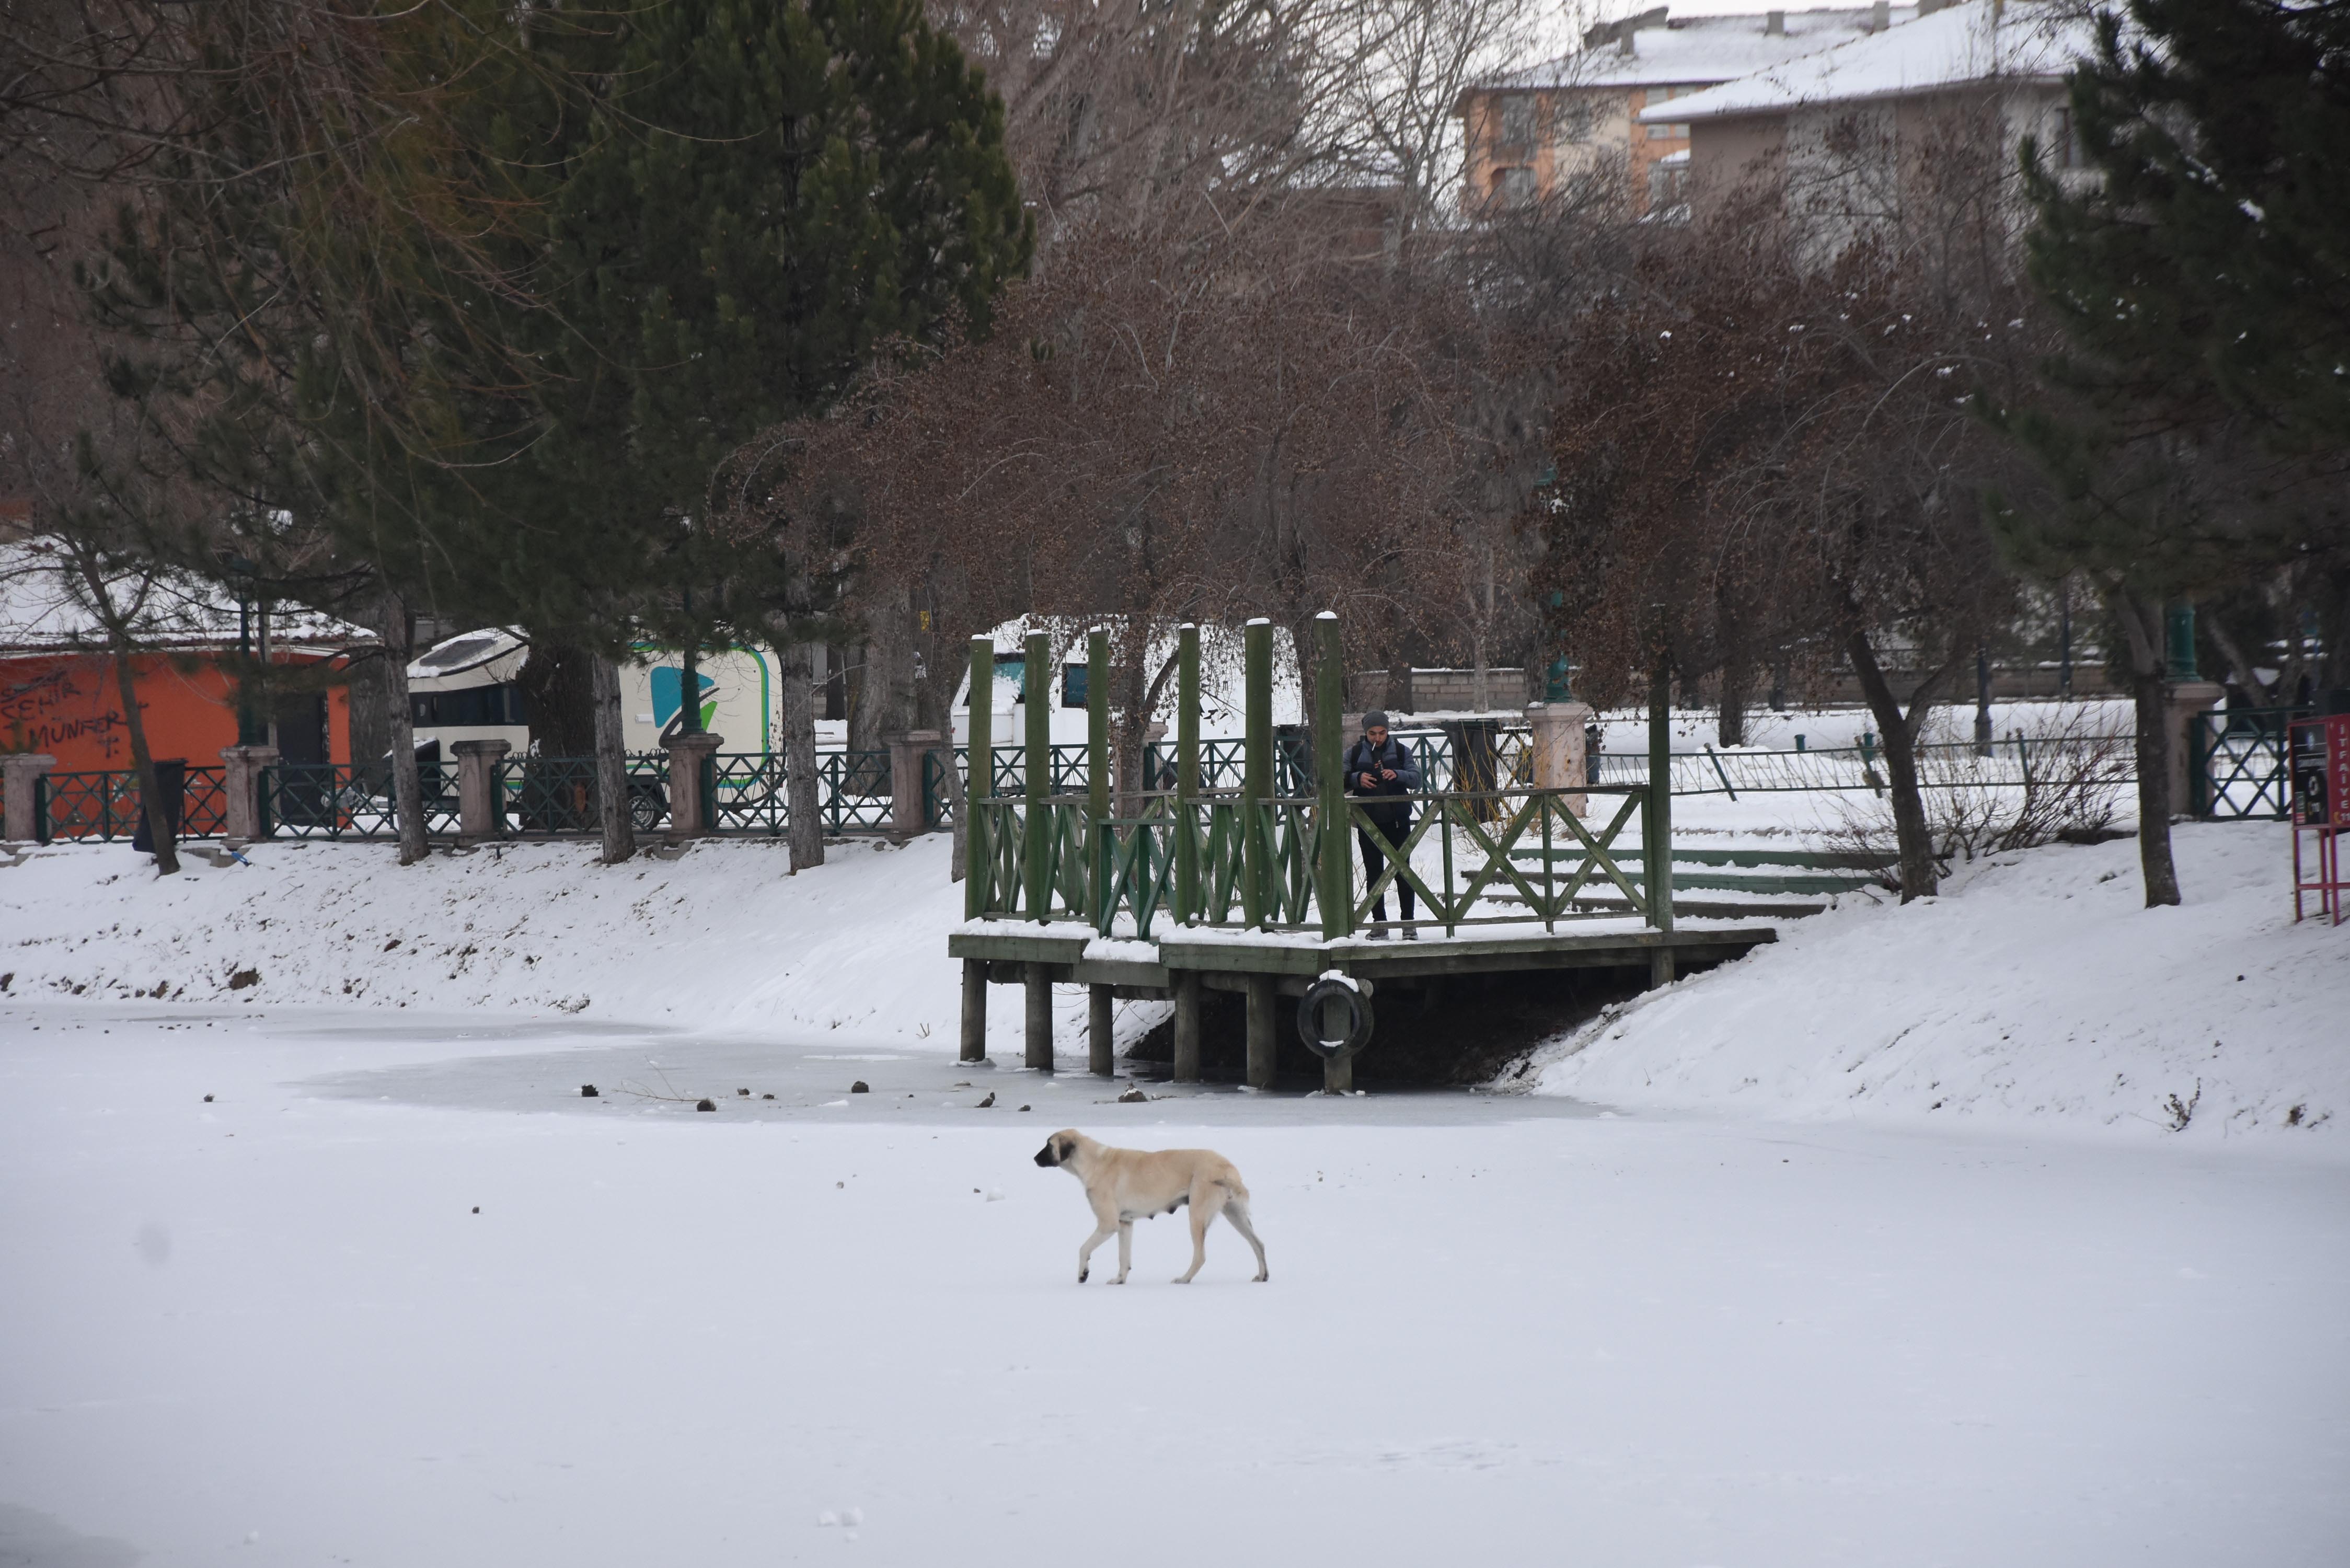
[(397, 1293)]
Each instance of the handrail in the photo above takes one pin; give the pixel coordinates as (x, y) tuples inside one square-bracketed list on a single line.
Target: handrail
[(1459, 859)]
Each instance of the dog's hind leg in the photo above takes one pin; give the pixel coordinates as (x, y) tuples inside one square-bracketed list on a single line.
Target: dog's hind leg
[(1125, 1250), (1085, 1253), (1236, 1210), (1207, 1201)]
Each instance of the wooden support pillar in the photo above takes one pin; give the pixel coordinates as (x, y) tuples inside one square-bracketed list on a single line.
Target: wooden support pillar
[(978, 786), (1656, 826), (1262, 1001), (1257, 771), (974, 1010), (1334, 887), (1036, 689), (1186, 774), (1338, 1072), (1660, 967), (1040, 1017), (1100, 1058), (1187, 1026)]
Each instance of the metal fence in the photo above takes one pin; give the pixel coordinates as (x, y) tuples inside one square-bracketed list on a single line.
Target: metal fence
[(106, 805), (2236, 763), (334, 800)]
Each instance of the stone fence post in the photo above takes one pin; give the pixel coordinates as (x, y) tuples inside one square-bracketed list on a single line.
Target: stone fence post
[(1557, 743), (2183, 705), (22, 770), (242, 767), (478, 788), (906, 815), (686, 755)]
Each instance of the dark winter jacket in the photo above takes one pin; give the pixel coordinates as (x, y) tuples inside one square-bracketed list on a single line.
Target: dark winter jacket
[(1362, 758)]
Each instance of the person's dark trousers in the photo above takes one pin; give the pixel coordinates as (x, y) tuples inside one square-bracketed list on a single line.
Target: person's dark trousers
[(1375, 863)]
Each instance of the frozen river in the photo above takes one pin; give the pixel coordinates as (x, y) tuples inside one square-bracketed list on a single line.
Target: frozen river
[(398, 1296)]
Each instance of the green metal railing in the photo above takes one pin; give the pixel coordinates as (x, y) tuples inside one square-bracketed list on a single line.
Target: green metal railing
[(105, 805), (854, 787), (333, 799), (2236, 763), (549, 795)]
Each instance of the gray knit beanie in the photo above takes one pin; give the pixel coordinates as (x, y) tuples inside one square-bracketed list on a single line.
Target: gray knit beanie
[(1375, 720)]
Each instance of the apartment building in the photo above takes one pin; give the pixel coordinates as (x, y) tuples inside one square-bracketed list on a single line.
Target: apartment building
[(1526, 132), (1809, 127)]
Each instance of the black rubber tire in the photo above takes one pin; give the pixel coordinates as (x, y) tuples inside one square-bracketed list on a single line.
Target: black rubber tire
[(1309, 1019)]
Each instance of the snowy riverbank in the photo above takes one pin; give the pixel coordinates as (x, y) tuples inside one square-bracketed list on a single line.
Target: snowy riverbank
[(2037, 990)]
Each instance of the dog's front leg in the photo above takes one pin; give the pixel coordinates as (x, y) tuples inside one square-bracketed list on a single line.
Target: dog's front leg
[(1125, 1250), (1086, 1254)]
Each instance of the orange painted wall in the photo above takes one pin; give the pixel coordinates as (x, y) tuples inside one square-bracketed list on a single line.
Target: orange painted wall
[(68, 706)]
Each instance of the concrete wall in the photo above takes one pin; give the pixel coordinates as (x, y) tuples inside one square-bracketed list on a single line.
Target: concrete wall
[(1438, 691)]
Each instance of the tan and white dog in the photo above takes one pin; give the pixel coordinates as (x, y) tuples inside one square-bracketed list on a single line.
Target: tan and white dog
[(1128, 1184)]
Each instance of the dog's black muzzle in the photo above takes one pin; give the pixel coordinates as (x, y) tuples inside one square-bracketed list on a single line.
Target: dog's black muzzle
[(1045, 1156)]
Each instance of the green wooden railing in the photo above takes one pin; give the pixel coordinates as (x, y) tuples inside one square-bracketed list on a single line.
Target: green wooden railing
[(1236, 864)]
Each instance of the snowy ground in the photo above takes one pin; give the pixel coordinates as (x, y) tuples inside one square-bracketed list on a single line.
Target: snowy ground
[(397, 1294), (273, 1329), (2038, 990)]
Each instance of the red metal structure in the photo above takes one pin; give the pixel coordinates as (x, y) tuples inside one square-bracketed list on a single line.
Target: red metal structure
[(2319, 750)]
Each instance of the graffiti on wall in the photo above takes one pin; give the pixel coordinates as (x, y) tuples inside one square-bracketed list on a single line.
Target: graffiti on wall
[(51, 710)]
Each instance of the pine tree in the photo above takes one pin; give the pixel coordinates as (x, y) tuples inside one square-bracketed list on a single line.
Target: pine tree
[(2196, 430), (769, 195)]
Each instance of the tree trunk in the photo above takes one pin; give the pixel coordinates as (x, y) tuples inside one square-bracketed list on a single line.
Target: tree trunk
[(1397, 699), (802, 810), (398, 629), (2142, 622), (1737, 695), (1912, 837), (558, 680), (619, 830), (370, 728), (958, 804), (142, 761)]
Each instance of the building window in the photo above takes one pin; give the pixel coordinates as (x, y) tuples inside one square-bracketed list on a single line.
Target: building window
[(1518, 120), (1572, 120), (1513, 186), (1668, 185), (1666, 95), (2063, 144)]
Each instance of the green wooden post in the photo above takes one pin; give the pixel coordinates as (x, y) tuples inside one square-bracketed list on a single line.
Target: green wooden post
[(1334, 889), (1099, 1057), (1097, 722), (978, 865), (981, 781), (1187, 773), (1657, 831), (1036, 684), (1257, 771), (1097, 739)]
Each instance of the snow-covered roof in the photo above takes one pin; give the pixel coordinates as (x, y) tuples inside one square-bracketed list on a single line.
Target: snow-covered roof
[(465, 652), (45, 608), (1975, 41), (1699, 49)]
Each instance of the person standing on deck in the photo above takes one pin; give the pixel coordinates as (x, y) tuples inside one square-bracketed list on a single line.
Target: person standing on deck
[(1380, 772)]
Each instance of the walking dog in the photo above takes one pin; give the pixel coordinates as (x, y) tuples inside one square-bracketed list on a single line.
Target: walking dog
[(1128, 1184)]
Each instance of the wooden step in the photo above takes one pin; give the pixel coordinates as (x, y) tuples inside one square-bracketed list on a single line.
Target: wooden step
[(1732, 881), (1697, 908)]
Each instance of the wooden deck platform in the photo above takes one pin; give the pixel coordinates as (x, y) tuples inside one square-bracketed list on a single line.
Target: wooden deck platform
[(1180, 965)]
